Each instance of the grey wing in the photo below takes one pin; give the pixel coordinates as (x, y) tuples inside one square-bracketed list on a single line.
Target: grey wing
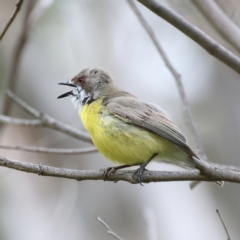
[(144, 115)]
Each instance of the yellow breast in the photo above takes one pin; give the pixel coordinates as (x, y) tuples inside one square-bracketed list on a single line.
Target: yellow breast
[(119, 141)]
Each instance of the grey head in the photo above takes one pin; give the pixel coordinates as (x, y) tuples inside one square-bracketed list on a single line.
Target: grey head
[(88, 86)]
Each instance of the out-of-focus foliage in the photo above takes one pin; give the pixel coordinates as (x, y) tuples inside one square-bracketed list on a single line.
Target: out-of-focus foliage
[(72, 35)]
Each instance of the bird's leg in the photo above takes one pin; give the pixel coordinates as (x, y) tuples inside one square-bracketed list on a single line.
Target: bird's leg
[(138, 174), (113, 169)]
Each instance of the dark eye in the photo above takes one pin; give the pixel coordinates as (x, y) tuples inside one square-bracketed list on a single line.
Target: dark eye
[(80, 80)]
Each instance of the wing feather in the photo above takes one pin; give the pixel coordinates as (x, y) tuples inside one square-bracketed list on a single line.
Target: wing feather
[(147, 116)]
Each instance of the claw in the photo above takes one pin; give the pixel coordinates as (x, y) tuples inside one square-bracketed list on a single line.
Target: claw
[(107, 171), (138, 174)]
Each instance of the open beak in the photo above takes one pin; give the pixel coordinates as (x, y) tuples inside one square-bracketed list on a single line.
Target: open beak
[(67, 93)]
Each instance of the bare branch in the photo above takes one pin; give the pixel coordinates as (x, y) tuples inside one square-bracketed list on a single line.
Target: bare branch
[(120, 175), (30, 19), (177, 77), (44, 120), (109, 230), (20, 121), (224, 25), (65, 151), (210, 45), (27, 108), (224, 225), (216, 165), (18, 5), (18, 51)]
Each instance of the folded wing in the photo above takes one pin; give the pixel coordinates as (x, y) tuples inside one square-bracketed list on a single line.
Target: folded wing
[(147, 116)]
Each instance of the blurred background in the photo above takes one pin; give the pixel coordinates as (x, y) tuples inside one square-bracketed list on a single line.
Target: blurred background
[(63, 38)]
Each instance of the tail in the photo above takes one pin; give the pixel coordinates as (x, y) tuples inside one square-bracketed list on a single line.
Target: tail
[(190, 160)]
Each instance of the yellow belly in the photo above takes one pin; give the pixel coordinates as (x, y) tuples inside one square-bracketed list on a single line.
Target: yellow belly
[(121, 142)]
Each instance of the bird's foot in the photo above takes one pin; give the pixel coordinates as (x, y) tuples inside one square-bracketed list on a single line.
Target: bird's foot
[(139, 173), (107, 171)]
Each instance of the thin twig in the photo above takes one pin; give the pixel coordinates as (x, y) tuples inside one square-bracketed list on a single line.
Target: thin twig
[(109, 230), (224, 25), (65, 151), (120, 175), (177, 77), (32, 15), (26, 107), (48, 122), (20, 121), (216, 165), (18, 5), (18, 51), (210, 45), (224, 225), (43, 120)]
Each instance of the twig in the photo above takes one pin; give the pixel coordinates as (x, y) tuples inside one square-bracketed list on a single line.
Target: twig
[(177, 77), (109, 230), (48, 122), (67, 151), (210, 45), (31, 17), (120, 175), (27, 108), (224, 225), (20, 121), (43, 120), (18, 51), (216, 165), (18, 5), (224, 25)]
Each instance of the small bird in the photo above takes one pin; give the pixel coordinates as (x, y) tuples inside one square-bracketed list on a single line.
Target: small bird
[(124, 129)]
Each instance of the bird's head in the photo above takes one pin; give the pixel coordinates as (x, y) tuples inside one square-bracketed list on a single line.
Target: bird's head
[(88, 85)]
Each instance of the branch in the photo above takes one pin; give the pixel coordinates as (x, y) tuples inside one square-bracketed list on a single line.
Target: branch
[(67, 151), (210, 45), (20, 121), (224, 25), (18, 51), (177, 77), (120, 175), (109, 230), (30, 19), (43, 120), (224, 225), (216, 165), (18, 5)]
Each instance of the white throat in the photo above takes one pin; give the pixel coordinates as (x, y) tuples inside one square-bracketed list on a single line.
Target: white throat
[(80, 97)]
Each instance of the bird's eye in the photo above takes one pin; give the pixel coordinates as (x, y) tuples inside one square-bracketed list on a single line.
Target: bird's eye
[(80, 80)]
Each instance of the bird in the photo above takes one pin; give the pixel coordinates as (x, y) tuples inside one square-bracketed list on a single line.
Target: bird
[(125, 129)]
